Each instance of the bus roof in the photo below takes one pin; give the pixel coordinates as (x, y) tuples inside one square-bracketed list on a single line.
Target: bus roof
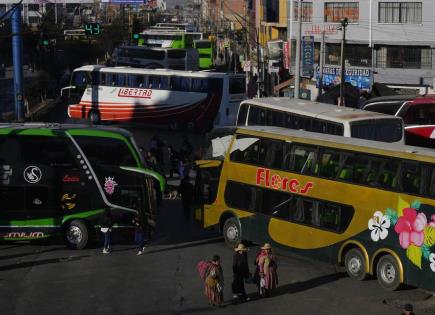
[(152, 48), (200, 74), (64, 127), (368, 146), (316, 109)]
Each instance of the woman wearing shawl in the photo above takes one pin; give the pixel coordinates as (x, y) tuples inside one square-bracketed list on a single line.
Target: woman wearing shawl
[(214, 282), (267, 270)]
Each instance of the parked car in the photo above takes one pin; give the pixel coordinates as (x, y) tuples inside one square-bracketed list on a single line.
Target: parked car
[(417, 112)]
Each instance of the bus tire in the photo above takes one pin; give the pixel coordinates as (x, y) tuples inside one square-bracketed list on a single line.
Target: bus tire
[(94, 116), (76, 234), (232, 232), (355, 264), (388, 273)]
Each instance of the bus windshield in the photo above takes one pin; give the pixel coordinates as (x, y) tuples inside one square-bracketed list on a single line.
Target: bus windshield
[(386, 130)]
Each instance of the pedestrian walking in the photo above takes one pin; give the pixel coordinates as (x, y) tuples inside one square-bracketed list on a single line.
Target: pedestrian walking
[(214, 282), (186, 190), (106, 223), (240, 272), (139, 232), (267, 267)]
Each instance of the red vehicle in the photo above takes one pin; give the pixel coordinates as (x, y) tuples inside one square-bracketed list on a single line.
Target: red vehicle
[(418, 114)]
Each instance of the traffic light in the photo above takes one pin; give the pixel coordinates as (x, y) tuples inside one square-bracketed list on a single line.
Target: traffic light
[(92, 29)]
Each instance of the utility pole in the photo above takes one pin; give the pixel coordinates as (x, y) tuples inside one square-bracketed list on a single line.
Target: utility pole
[(247, 57), (322, 62), (17, 54), (298, 52), (344, 23)]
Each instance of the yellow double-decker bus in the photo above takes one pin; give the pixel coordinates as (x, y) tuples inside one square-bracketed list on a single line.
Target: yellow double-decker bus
[(367, 205)]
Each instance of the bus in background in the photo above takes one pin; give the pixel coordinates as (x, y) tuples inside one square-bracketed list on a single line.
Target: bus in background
[(345, 201), (58, 179), (169, 39), (178, 26), (153, 58), (205, 51), (321, 117), (196, 100), (417, 112), (76, 34)]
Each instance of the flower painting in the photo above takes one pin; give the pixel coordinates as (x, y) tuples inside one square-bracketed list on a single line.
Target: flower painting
[(416, 232)]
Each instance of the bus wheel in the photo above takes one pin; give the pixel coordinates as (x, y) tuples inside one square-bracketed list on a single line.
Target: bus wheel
[(355, 264), (77, 234), (388, 273), (232, 232), (94, 116)]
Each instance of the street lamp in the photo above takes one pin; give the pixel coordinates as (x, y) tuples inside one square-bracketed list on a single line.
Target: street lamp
[(344, 24)]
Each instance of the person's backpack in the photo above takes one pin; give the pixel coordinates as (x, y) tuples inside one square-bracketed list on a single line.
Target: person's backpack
[(202, 268)]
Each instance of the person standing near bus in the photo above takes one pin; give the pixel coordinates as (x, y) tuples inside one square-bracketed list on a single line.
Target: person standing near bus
[(106, 223), (214, 282), (139, 232), (240, 272), (267, 270)]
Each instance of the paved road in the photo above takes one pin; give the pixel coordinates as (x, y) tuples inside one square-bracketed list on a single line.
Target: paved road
[(50, 279)]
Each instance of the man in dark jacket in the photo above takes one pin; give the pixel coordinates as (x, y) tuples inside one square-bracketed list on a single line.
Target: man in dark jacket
[(139, 232), (240, 272)]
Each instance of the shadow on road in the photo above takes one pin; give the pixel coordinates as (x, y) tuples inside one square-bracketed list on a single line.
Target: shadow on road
[(200, 243), (5, 257), (28, 264), (298, 287)]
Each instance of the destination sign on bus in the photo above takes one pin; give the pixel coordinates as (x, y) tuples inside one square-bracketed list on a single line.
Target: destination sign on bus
[(132, 92)]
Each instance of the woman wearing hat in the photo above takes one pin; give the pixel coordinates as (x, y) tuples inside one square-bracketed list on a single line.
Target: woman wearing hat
[(240, 272), (267, 270)]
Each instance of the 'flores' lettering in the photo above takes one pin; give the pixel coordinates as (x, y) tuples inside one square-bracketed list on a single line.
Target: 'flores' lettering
[(275, 181)]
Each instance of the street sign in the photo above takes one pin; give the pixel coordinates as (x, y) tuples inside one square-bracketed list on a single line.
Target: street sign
[(307, 56), (286, 55), (358, 77)]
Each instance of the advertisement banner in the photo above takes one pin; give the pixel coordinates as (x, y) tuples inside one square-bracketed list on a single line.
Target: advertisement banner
[(308, 56), (358, 77), (286, 55)]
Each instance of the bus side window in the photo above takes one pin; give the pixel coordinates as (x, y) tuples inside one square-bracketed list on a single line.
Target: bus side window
[(303, 159), (254, 114), (241, 118), (329, 163), (346, 170), (103, 79), (133, 80), (411, 177), (241, 196), (271, 154), (432, 183), (120, 79), (164, 83)]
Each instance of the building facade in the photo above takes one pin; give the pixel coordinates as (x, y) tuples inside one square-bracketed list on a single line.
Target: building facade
[(395, 40)]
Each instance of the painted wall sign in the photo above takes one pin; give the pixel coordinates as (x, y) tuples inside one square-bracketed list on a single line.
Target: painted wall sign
[(318, 29), (32, 174), (266, 178), (358, 77)]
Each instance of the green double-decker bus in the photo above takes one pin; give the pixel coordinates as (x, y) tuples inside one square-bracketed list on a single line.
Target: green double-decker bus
[(58, 179), (205, 51)]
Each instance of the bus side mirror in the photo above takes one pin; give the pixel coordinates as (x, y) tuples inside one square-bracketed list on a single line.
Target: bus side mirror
[(64, 91)]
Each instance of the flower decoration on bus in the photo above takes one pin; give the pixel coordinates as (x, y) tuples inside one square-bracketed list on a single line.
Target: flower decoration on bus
[(432, 261), (416, 233), (109, 185), (379, 226)]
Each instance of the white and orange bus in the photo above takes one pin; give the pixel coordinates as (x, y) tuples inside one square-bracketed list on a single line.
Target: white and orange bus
[(193, 99)]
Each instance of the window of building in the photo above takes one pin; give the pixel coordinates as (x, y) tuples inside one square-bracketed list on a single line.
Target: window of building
[(400, 12), (337, 11), (354, 55), (405, 57), (271, 11), (33, 7), (307, 11)]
